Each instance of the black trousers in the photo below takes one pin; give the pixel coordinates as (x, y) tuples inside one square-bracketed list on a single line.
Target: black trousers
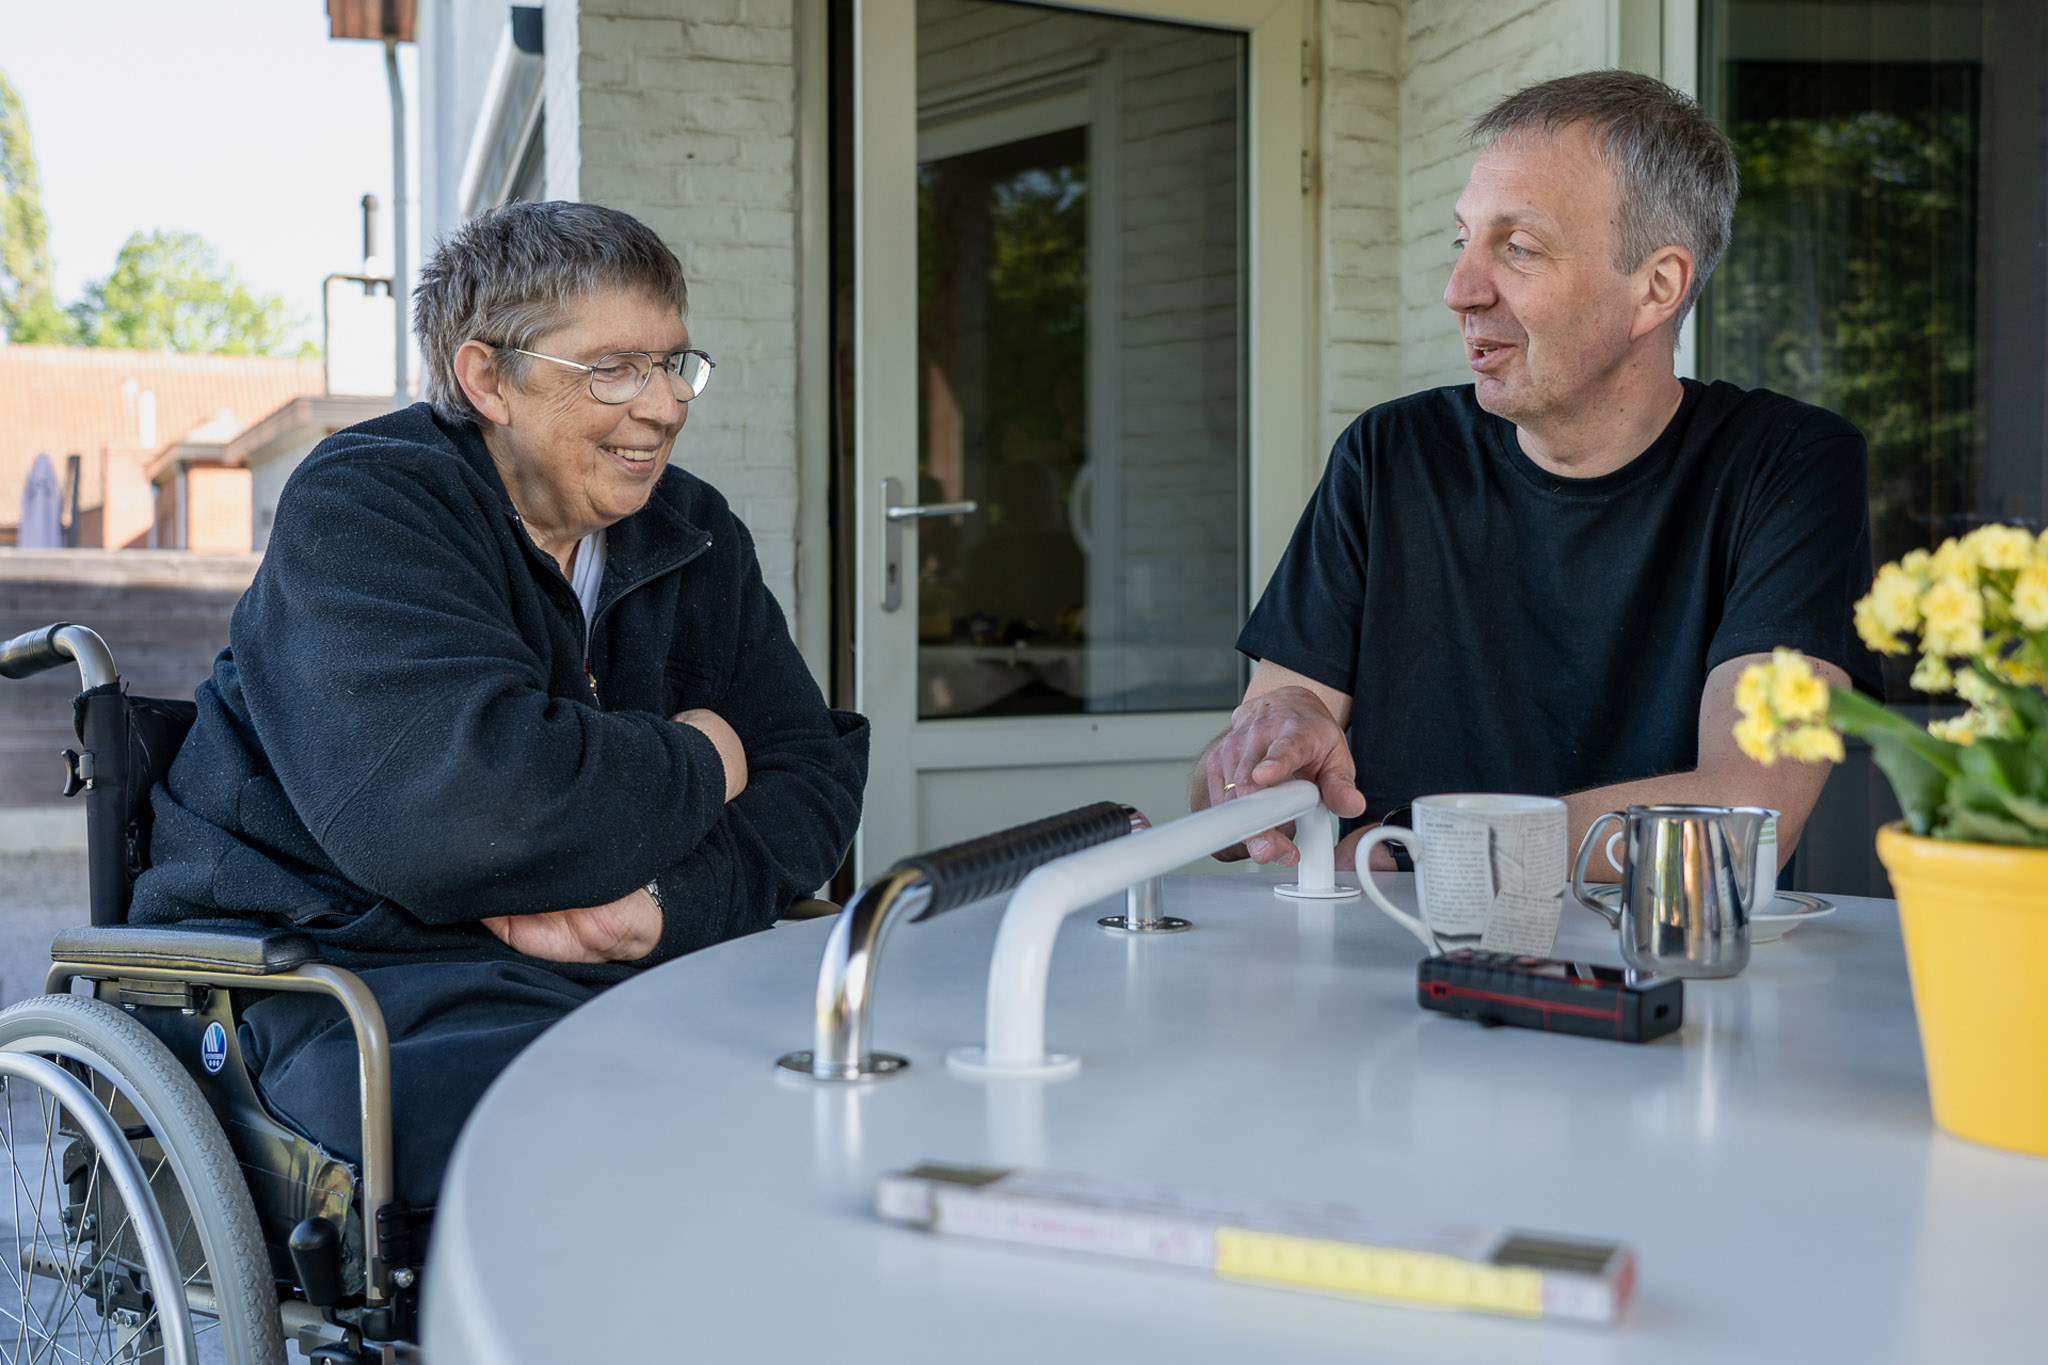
[(454, 1026)]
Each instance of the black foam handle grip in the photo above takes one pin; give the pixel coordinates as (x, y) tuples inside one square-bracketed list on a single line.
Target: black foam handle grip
[(32, 652), (964, 872)]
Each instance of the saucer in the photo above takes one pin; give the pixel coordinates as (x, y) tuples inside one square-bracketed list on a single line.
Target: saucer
[(1790, 910), (1784, 914)]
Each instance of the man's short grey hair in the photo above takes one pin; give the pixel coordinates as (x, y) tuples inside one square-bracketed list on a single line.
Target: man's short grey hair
[(512, 274), (1674, 169)]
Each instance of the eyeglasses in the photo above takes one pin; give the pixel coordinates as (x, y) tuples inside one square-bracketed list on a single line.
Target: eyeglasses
[(619, 377)]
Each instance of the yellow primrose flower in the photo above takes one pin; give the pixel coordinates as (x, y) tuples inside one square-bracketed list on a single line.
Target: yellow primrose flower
[(1972, 688), (1895, 597), (1872, 632), (1932, 675), (1951, 560), (2030, 593), (1797, 693), (1954, 614), (1812, 744), (1999, 547), (2018, 672), (1918, 563), (1753, 689), (1955, 731), (1753, 734)]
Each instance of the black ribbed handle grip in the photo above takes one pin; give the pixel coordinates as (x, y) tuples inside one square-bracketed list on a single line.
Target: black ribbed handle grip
[(32, 652), (967, 871)]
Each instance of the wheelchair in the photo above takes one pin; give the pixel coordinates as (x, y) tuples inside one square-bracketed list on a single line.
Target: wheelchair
[(160, 1211)]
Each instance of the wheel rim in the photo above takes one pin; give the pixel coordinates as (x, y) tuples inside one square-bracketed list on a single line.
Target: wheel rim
[(84, 1248)]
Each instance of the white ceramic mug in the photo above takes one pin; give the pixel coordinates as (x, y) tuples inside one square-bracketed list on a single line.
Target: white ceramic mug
[(1490, 871)]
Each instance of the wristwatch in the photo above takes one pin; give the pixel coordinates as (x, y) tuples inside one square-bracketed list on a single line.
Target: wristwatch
[(1404, 817)]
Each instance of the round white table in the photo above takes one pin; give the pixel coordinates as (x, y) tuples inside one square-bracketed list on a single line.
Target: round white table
[(643, 1184)]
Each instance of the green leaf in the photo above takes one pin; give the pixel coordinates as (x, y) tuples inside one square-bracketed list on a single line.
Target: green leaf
[(2003, 765), (1983, 827), (2025, 808), (1855, 714), (1921, 786), (2025, 702)]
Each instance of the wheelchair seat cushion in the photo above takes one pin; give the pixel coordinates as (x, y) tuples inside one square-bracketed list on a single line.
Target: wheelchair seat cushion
[(229, 946)]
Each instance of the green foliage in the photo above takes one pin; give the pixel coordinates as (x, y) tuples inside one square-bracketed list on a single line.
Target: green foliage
[(28, 310), (1992, 791), (170, 292), (1851, 284)]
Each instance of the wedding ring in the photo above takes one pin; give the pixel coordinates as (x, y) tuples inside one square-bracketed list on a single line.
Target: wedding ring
[(1228, 785)]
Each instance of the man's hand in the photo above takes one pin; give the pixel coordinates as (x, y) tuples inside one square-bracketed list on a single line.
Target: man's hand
[(730, 753), (1280, 733), (624, 931)]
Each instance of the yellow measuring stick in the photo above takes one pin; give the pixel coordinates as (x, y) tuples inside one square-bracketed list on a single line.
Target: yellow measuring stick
[(1265, 1241)]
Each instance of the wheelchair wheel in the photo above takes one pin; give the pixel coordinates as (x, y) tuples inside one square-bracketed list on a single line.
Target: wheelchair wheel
[(74, 1281)]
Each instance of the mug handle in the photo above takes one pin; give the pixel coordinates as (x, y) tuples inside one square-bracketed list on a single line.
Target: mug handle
[(1613, 917), (1400, 835)]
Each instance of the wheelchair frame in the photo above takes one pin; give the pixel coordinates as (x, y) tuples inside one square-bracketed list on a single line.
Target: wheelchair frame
[(185, 968)]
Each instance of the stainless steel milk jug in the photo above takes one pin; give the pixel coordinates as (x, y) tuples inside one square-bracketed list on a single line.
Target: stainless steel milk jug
[(1686, 886)]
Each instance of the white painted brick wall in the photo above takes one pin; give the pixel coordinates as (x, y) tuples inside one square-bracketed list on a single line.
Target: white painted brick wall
[(1401, 81), (686, 119), (1458, 58)]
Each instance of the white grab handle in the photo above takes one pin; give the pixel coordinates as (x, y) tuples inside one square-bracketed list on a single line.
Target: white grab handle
[(1412, 840), (1018, 971)]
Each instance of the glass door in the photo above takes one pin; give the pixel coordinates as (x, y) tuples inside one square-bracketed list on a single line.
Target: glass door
[(1048, 404)]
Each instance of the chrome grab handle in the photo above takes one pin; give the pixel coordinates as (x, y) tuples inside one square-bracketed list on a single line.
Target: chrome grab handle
[(894, 513), (1145, 902), (917, 888)]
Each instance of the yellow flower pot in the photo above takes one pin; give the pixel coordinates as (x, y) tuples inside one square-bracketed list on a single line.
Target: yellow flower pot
[(1976, 926)]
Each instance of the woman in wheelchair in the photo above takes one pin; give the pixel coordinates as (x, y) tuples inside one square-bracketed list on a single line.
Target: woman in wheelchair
[(508, 713)]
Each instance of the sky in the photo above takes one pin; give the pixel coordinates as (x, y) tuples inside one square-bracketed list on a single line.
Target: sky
[(239, 120)]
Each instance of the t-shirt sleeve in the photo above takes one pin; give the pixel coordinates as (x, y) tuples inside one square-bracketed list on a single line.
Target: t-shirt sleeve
[(1802, 557), (1308, 619)]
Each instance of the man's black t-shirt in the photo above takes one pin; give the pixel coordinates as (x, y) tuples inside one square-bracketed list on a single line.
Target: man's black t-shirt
[(1500, 628)]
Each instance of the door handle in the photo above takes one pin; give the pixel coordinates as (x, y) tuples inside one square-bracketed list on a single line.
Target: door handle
[(894, 513), (931, 509)]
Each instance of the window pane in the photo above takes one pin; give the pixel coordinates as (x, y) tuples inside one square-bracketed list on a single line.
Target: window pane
[(1888, 251), (1080, 361)]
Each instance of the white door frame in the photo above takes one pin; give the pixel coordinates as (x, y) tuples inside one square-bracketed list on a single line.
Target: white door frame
[(1283, 460)]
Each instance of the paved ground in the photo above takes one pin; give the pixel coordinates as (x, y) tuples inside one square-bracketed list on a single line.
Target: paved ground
[(40, 893)]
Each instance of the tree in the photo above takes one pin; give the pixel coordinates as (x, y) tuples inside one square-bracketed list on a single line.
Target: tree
[(28, 307), (169, 291)]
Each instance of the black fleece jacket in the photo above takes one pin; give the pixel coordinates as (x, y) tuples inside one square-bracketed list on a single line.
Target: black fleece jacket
[(404, 735)]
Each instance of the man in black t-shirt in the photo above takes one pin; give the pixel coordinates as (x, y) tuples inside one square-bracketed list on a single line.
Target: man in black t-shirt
[(1548, 581)]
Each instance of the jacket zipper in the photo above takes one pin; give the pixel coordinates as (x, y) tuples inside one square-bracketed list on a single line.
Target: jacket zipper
[(642, 581)]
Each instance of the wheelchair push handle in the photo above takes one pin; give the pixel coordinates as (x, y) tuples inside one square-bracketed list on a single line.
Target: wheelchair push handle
[(38, 651), (975, 869)]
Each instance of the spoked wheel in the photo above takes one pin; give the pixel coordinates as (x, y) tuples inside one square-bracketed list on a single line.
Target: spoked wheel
[(126, 1217)]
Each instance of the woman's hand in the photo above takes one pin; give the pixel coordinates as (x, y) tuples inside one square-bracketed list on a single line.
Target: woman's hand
[(624, 931), (730, 753)]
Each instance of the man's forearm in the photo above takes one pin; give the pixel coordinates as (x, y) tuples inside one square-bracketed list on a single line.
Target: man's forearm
[(1699, 788)]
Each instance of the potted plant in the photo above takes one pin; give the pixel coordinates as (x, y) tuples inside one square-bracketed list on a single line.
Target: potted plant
[(1969, 863)]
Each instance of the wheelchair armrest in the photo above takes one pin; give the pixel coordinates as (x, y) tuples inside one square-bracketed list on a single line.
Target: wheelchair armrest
[(231, 948)]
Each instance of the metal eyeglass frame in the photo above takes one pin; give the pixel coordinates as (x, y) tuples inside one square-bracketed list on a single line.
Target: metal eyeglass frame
[(648, 356)]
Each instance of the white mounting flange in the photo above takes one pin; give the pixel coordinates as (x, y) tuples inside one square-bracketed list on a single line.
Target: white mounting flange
[(973, 1062)]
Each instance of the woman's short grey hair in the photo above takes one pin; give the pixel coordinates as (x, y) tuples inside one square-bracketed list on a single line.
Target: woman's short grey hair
[(1674, 169), (512, 274)]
